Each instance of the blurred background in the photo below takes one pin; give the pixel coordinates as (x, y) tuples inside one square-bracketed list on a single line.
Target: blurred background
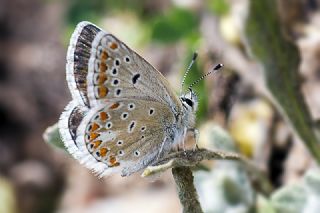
[(265, 103)]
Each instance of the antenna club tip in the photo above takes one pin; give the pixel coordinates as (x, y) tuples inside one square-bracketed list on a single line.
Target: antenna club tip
[(218, 66), (195, 55)]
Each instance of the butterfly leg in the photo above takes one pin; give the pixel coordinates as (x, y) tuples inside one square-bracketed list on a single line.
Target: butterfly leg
[(196, 135), (184, 143), (161, 149)]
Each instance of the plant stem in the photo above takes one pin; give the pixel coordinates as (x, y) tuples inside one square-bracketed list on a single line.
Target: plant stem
[(187, 192)]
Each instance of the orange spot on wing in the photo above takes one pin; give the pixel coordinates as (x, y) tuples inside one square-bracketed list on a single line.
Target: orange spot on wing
[(103, 67), (94, 127), (102, 77), (113, 45), (104, 55), (113, 161), (96, 144), (114, 106), (103, 152), (93, 136), (102, 91), (103, 116)]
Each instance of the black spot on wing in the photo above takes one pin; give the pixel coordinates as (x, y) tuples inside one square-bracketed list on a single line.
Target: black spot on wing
[(135, 78)]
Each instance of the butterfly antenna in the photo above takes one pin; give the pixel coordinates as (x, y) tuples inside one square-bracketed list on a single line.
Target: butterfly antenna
[(213, 71), (194, 57)]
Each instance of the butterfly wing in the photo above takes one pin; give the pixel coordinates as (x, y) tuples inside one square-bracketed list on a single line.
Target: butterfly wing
[(123, 112), (123, 136), (100, 67)]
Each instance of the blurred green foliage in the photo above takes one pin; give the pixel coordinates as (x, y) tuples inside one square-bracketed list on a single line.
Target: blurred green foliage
[(93, 10), (80, 10), (176, 24), (218, 7)]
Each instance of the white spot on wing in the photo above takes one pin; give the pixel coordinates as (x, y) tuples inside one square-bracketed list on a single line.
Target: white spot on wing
[(109, 125), (117, 92), (151, 111), (136, 153), (120, 142), (131, 106), (127, 59), (124, 115), (120, 152), (115, 82)]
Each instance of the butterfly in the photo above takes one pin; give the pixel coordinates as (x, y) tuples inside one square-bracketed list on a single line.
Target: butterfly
[(124, 115)]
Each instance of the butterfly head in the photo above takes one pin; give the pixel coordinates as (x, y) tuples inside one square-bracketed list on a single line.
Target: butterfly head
[(189, 101)]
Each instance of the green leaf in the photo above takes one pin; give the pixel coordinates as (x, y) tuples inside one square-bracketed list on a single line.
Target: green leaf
[(178, 23), (280, 59), (264, 205), (303, 196), (290, 199), (52, 137)]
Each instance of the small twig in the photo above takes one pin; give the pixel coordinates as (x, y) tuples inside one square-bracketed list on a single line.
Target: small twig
[(191, 158)]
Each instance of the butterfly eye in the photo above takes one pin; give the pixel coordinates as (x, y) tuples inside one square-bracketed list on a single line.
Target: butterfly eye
[(189, 102)]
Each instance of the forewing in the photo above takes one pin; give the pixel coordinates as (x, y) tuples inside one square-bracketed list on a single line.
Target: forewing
[(102, 67)]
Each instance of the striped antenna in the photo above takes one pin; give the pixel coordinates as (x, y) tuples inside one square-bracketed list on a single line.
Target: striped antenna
[(213, 71), (194, 57)]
